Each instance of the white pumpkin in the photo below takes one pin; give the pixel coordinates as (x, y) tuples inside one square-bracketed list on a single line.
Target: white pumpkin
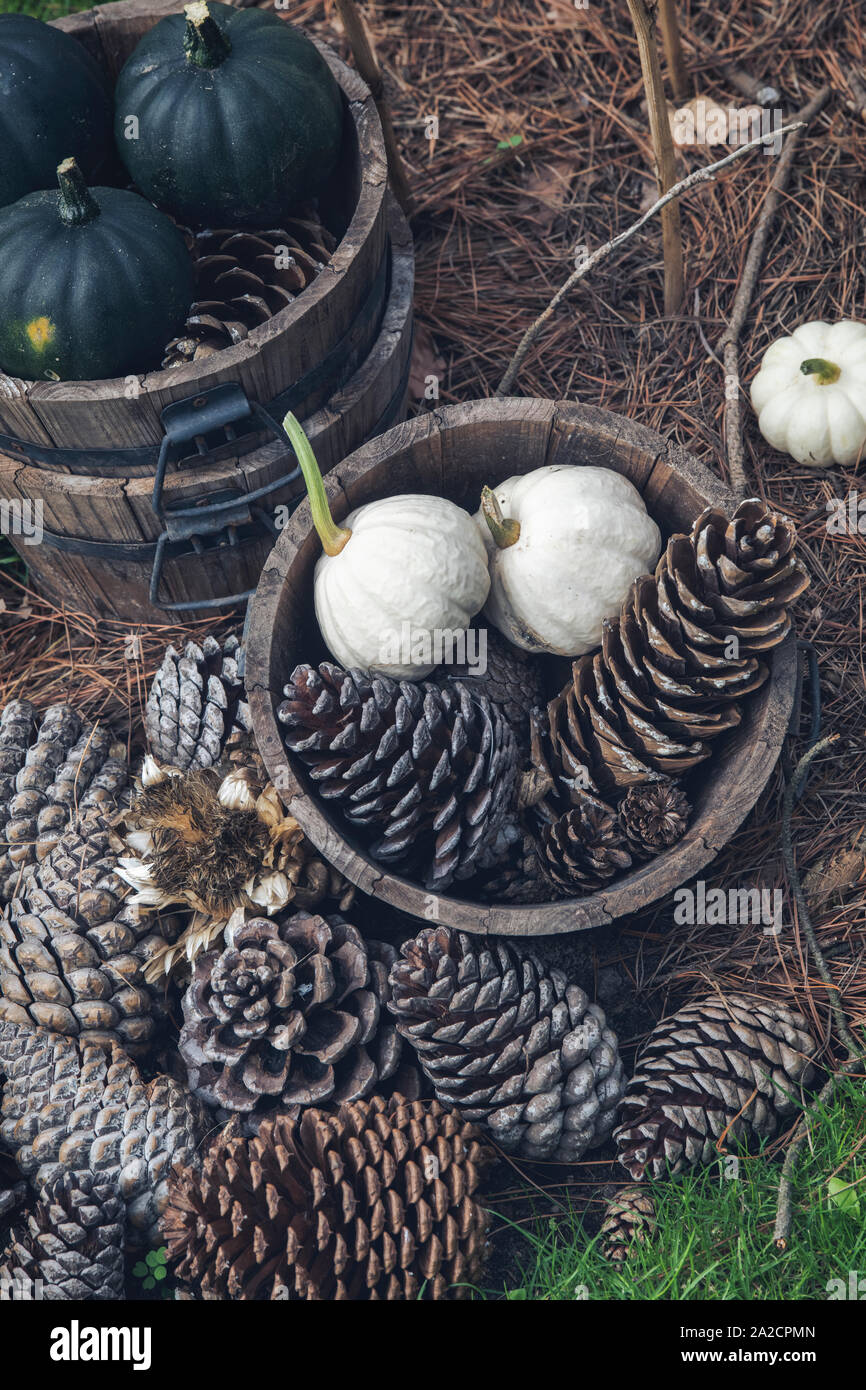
[(810, 393), (398, 581), (564, 543)]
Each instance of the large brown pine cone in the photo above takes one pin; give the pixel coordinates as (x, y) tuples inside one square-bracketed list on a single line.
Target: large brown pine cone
[(432, 770), (508, 1043), (374, 1202), (243, 278), (729, 1065), (73, 950), (196, 706), (52, 765), (70, 1106), (70, 1247), (684, 651), (585, 847), (291, 1012)]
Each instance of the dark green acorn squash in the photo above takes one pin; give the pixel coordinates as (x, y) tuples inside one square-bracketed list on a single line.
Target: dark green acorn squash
[(93, 282), (237, 116), (54, 102)]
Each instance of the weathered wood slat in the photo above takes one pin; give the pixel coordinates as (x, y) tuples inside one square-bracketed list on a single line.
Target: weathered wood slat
[(456, 450)]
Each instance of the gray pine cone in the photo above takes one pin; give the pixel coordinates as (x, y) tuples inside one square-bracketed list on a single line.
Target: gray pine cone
[(69, 1106), (512, 680), (509, 1043), (52, 765), (292, 1012), (196, 704), (719, 1065), (72, 1242), (629, 1220), (73, 951)]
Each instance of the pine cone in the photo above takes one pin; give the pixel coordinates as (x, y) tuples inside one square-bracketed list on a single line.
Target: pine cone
[(654, 815), (513, 680), (196, 707), (435, 769), (683, 652), (243, 278), (292, 1012), (728, 1066), (51, 764), (73, 949), (218, 842), (509, 1043), (585, 847), (520, 876), (69, 1106), (72, 1242), (630, 1219), (374, 1202)]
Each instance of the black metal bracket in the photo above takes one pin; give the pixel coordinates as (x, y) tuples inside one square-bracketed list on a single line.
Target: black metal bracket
[(209, 420)]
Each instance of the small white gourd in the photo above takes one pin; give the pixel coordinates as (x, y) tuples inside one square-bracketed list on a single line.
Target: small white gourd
[(810, 393), (564, 544), (398, 581)]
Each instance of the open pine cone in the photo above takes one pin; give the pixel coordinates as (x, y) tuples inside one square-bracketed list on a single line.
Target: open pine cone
[(218, 842), (684, 651), (374, 1202), (243, 278), (509, 1043), (585, 847), (512, 680), (52, 765), (70, 1247), (70, 1106), (74, 950), (291, 1012), (196, 709), (654, 816), (729, 1066), (432, 769), (629, 1220)]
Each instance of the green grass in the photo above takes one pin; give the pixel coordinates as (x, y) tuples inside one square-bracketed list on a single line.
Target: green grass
[(713, 1239), (44, 9)]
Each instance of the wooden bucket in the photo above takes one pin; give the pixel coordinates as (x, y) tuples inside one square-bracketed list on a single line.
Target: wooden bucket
[(453, 452), (89, 453)]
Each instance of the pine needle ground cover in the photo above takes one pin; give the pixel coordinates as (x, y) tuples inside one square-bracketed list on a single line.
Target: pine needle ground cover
[(525, 137)]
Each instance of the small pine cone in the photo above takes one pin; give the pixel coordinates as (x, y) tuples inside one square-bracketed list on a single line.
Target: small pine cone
[(291, 1012), (196, 708), (509, 1043), (729, 1066), (433, 768), (654, 815), (374, 1202), (243, 278), (513, 680), (51, 765), (630, 1219), (520, 875), (72, 1242), (73, 950), (68, 1106), (585, 847)]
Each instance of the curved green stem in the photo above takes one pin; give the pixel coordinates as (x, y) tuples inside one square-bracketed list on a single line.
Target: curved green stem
[(205, 43), (826, 372), (504, 531), (77, 204), (332, 536)]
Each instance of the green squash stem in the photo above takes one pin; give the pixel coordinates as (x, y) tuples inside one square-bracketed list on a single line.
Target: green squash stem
[(504, 531), (77, 205), (332, 536), (205, 43), (826, 372)]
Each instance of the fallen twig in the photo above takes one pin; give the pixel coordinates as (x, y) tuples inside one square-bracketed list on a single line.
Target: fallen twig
[(588, 263), (730, 342), (855, 1058), (368, 66), (669, 25)]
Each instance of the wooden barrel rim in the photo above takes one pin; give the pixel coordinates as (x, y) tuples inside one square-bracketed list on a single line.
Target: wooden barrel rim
[(741, 766)]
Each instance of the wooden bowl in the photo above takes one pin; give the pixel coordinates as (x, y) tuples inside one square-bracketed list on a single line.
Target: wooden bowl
[(453, 452)]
